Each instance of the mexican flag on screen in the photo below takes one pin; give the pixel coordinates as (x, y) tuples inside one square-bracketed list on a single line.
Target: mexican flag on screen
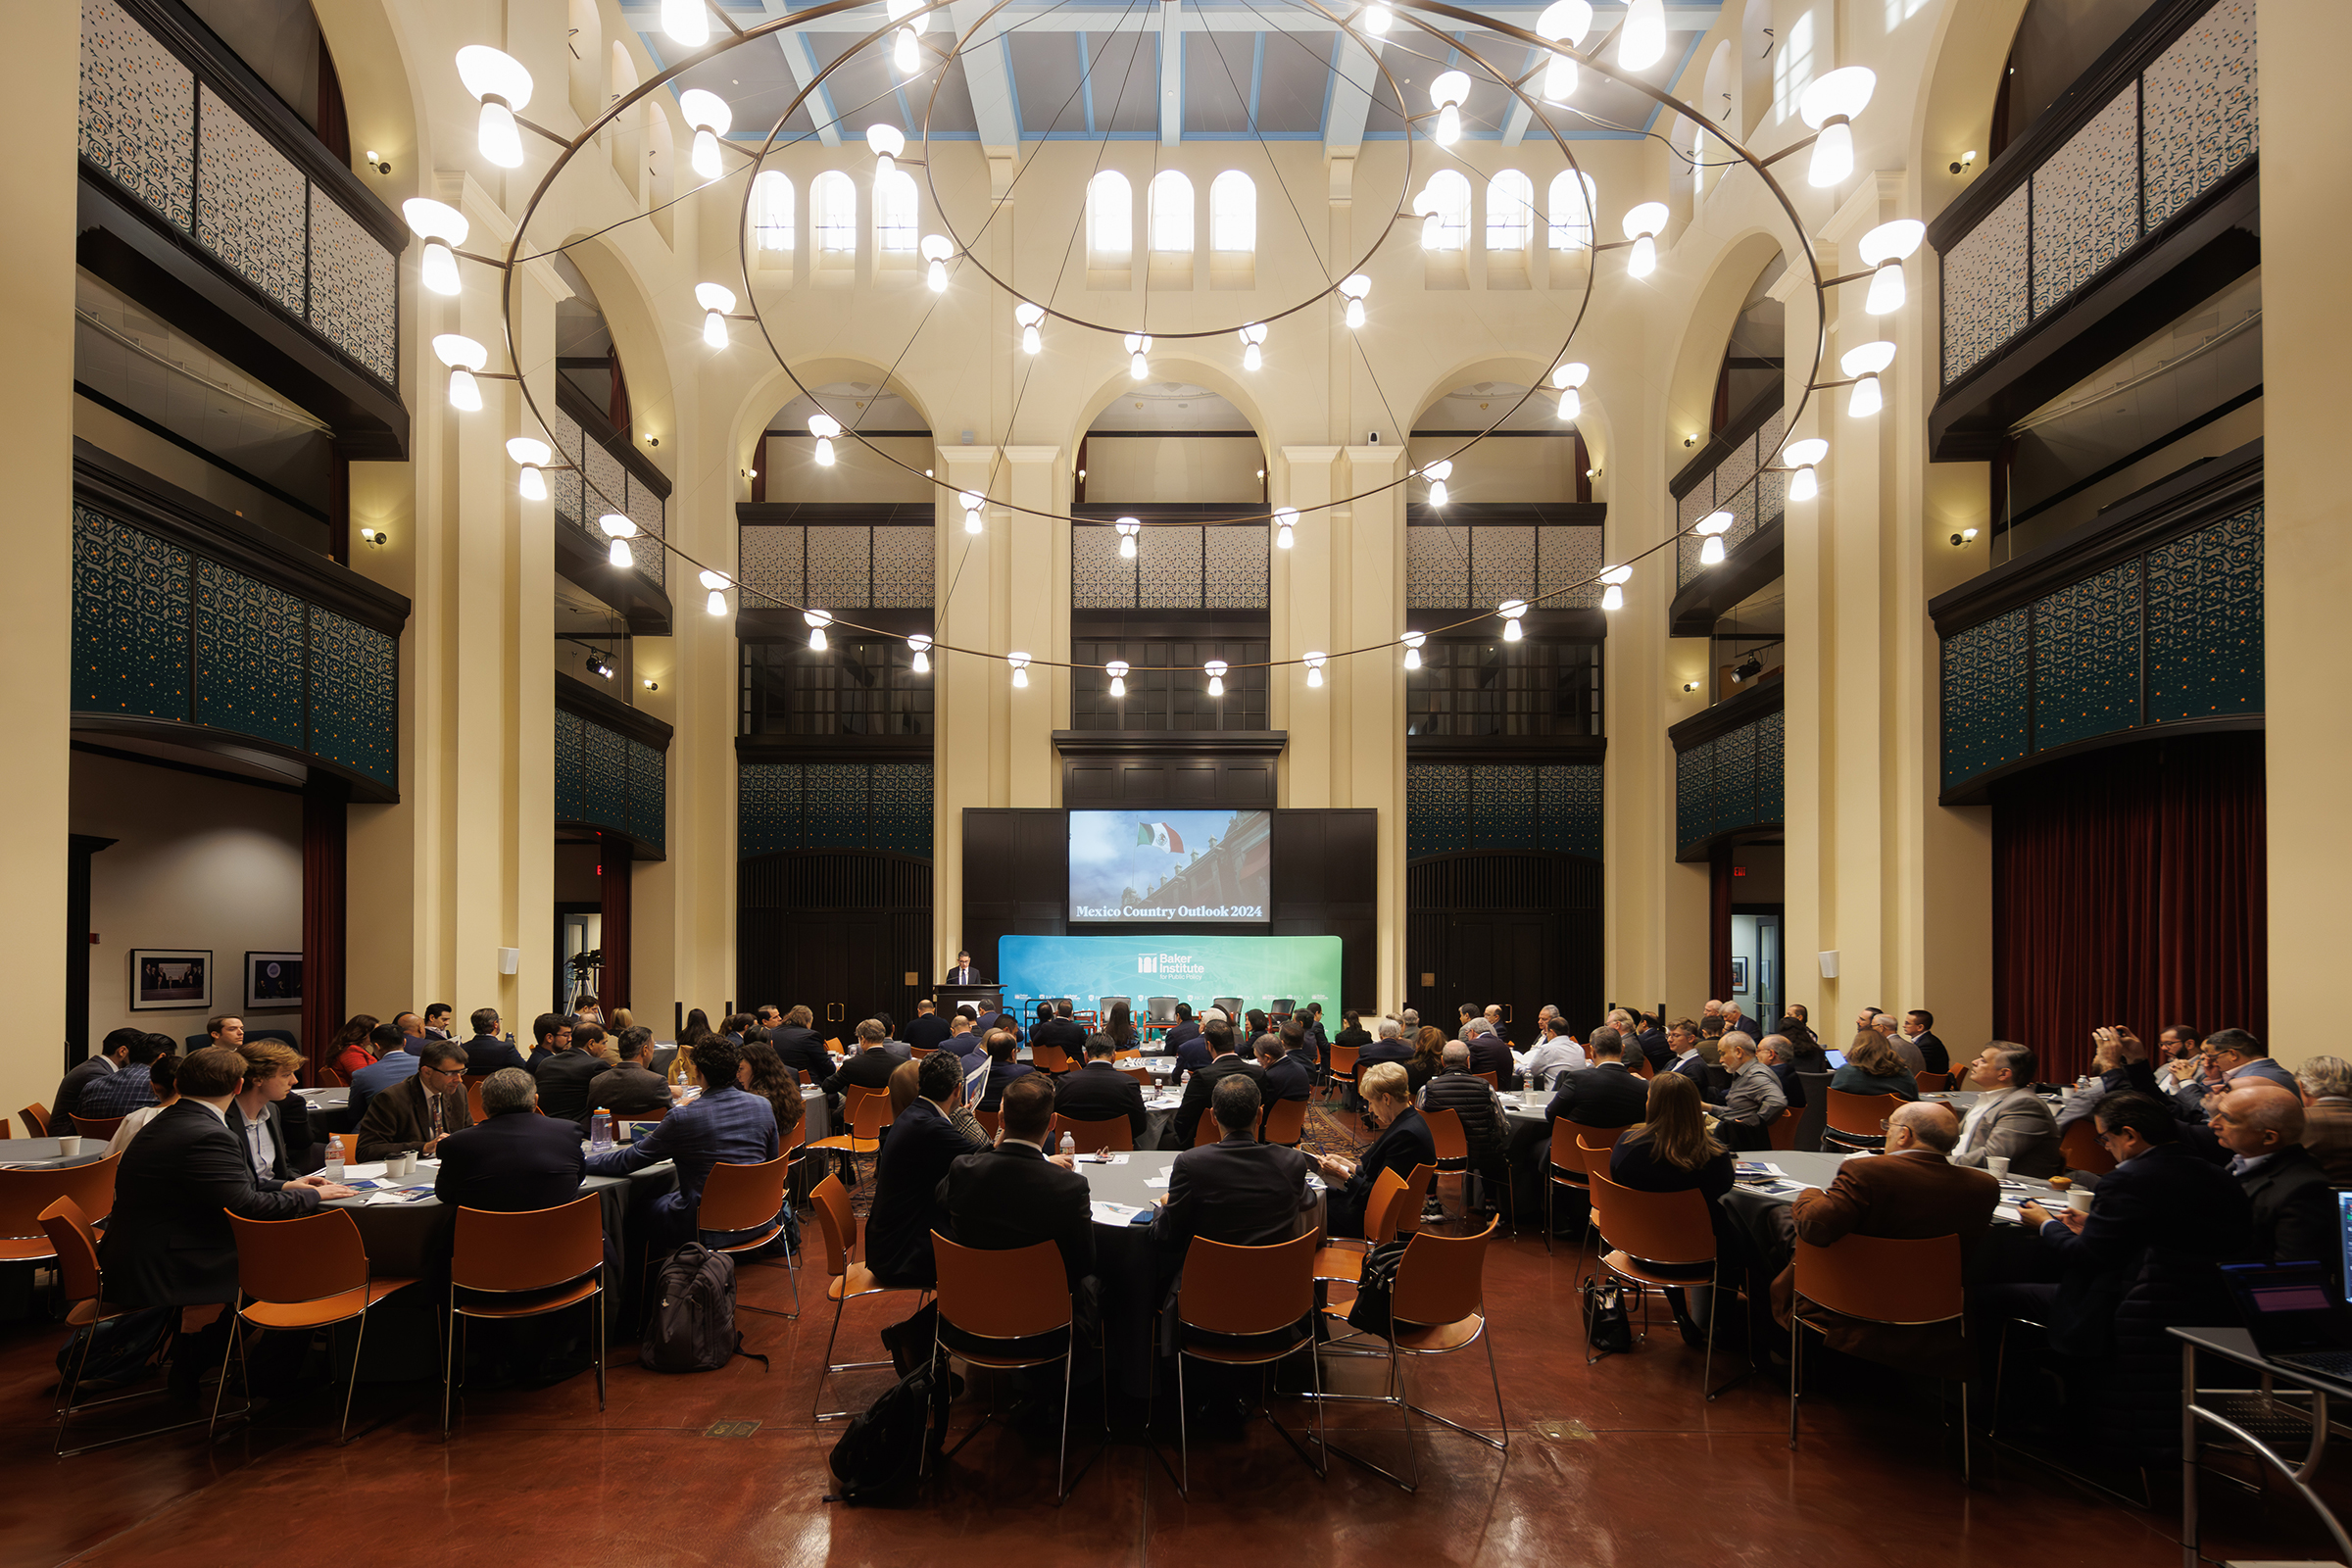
[(1159, 836)]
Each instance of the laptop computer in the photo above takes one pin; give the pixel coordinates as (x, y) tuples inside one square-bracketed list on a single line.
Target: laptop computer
[(2295, 1313)]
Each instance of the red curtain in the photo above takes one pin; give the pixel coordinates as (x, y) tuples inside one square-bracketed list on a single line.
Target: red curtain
[(2129, 887), (325, 886), (617, 860)]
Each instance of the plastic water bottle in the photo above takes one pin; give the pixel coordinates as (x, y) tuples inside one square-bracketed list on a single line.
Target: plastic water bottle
[(600, 1131), (334, 1159), (1069, 1145)]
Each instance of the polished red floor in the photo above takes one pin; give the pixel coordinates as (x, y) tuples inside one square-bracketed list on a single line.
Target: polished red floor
[(1648, 1474)]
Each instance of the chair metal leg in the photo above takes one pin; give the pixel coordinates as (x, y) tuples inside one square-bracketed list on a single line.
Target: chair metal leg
[(235, 1346), (1061, 1470), (1796, 1370), (1404, 1398), (599, 1339), (452, 1367), (824, 1369), (1183, 1433), (72, 1385), (359, 1342), (1966, 1471)]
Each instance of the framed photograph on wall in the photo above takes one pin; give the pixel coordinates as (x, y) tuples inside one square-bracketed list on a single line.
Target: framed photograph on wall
[(273, 982), (1740, 976), (170, 979)]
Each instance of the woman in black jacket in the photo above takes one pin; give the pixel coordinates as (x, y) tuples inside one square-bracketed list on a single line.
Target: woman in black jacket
[(1673, 1153), (1404, 1145)]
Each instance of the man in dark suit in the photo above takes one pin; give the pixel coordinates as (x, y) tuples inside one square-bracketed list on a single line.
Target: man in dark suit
[(1682, 1041), (1491, 1051), (1192, 1050), (1918, 1027), (565, 1074), (412, 1118), (1387, 1044), (631, 1086), (1606, 1094), (799, 1047), (486, 1052), (1004, 1067), (1060, 1031), (2294, 1216), (512, 1161), (1910, 1192), (1100, 1091), (727, 1125), (927, 1032), (1775, 1051), (1237, 1190), (1197, 1088), (1185, 1028), (169, 1242), (1285, 1066), (1016, 1194), (2164, 1214), (964, 974), (870, 1068), (916, 1150), (1651, 1041), (109, 1058)]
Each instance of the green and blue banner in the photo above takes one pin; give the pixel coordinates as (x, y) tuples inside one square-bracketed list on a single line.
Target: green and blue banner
[(1191, 968)]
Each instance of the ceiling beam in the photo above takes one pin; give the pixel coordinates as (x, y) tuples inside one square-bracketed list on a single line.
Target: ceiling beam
[(1515, 124), (986, 76), (798, 59), (1171, 71), (1105, 16), (1350, 97)]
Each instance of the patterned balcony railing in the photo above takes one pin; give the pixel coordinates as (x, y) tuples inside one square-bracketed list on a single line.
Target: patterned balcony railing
[(612, 767), (1454, 806), (1176, 566), (173, 120), (834, 806), (1727, 476), (2136, 622), (191, 622), (2167, 116), (605, 477), (862, 555), (1728, 767), (1475, 557)]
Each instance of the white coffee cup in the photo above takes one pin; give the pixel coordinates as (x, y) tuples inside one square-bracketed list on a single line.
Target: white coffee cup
[(402, 1166), (68, 1146), (1998, 1165), (2078, 1201)]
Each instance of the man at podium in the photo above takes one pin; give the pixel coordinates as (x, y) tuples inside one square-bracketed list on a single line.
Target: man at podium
[(964, 974)]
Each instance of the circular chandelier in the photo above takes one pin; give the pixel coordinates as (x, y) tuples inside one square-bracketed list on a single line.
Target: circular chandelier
[(501, 87)]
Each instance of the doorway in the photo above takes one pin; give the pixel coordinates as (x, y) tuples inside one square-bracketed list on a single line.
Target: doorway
[(1756, 967), (579, 929)]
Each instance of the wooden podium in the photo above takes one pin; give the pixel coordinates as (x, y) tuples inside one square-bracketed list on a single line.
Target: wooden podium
[(984, 1000)]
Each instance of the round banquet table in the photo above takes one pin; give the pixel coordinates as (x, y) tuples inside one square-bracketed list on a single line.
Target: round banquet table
[(2009, 1251), (402, 1238), (42, 1154)]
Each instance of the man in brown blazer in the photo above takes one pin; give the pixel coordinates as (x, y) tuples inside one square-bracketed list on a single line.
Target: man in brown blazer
[(2326, 1086), (413, 1115), (1911, 1192)]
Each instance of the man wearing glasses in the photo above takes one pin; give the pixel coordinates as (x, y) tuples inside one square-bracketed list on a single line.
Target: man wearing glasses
[(2008, 1119), (415, 1116)]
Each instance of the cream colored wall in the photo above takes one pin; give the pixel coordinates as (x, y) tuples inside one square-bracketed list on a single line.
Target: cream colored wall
[(1168, 468), (197, 862), (861, 470)]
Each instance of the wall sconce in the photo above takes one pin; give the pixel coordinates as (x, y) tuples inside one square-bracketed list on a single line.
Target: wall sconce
[(373, 536), (1690, 686), (653, 686), (379, 165), (1965, 161), (1965, 537)]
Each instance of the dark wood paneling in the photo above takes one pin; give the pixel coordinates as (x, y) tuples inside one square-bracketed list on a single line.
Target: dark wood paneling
[(578, 697), (835, 930), (1519, 928), (1109, 769)]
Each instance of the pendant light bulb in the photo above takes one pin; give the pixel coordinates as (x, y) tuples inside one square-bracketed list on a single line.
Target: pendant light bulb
[(1029, 340), (817, 620), (824, 427), (717, 604), (1887, 291), (464, 392), (1833, 155), (1644, 259), (533, 485), (501, 85), (714, 330), (1510, 610), (686, 23), (1866, 400), (1216, 668), (620, 556), (1828, 105), (1020, 668), (1449, 125), (1378, 19), (1803, 485), (1710, 550), (906, 54), (1612, 593), (703, 160), (439, 273), (1029, 315), (1560, 80), (922, 653), (1642, 37), (496, 136), (1314, 668), (972, 501), (936, 277), (1286, 518), (1128, 528), (1117, 669)]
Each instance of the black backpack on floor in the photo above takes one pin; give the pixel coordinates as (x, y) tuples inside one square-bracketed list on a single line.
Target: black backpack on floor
[(690, 1316), (880, 1455)]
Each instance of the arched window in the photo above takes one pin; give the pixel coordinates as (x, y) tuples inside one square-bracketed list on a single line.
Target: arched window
[(897, 213), (1446, 225), (833, 210), (771, 211), (1511, 210), (1572, 202), (1109, 215), (1232, 211), (1171, 209), (1793, 67)]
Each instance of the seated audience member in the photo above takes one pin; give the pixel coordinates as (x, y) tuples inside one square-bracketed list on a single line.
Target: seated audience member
[(1256, 1018), (963, 1042), (917, 1151), (1873, 1068), (1671, 1152), (551, 1037), (2232, 1056), (1684, 1056), (737, 1027), (1775, 1051), (1906, 1049), (169, 1242), (2008, 1118), (1351, 1029), (121, 1091), (1491, 1051), (1555, 1053), (1003, 1068), (2293, 1208), (486, 1051), (1100, 1091), (691, 1033), (1753, 1102), (925, 1031), (1795, 1027), (1912, 1193), (2161, 1218), (1186, 1028), (2118, 1062), (565, 1073), (1469, 1097), (1192, 1050), (1287, 1064), (2180, 1064), (512, 1161), (352, 1050), (437, 1018), (765, 1075), (631, 1088), (272, 1121), (799, 1047), (2326, 1086), (1404, 1145), (1181, 1127), (724, 1125), (163, 1076), (1060, 1030), (1918, 1027), (412, 1118), (1392, 1045), (1606, 1094), (870, 1066), (1428, 1059), (107, 1061), (1016, 1195), (394, 1064), (586, 1010), (1236, 1190)]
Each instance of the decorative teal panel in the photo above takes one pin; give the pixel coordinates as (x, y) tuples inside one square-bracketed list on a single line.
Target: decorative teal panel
[(1437, 808), (130, 620), (834, 806), (1772, 761), (1695, 793), (1986, 705), (355, 697), (1502, 808), (2205, 644), (248, 655), (2086, 659), (604, 777), (1568, 807), (1731, 782), (570, 804), (1450, 808), (649, 792)]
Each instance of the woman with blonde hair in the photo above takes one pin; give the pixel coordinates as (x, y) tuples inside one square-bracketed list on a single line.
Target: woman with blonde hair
[(1403, 1145)]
